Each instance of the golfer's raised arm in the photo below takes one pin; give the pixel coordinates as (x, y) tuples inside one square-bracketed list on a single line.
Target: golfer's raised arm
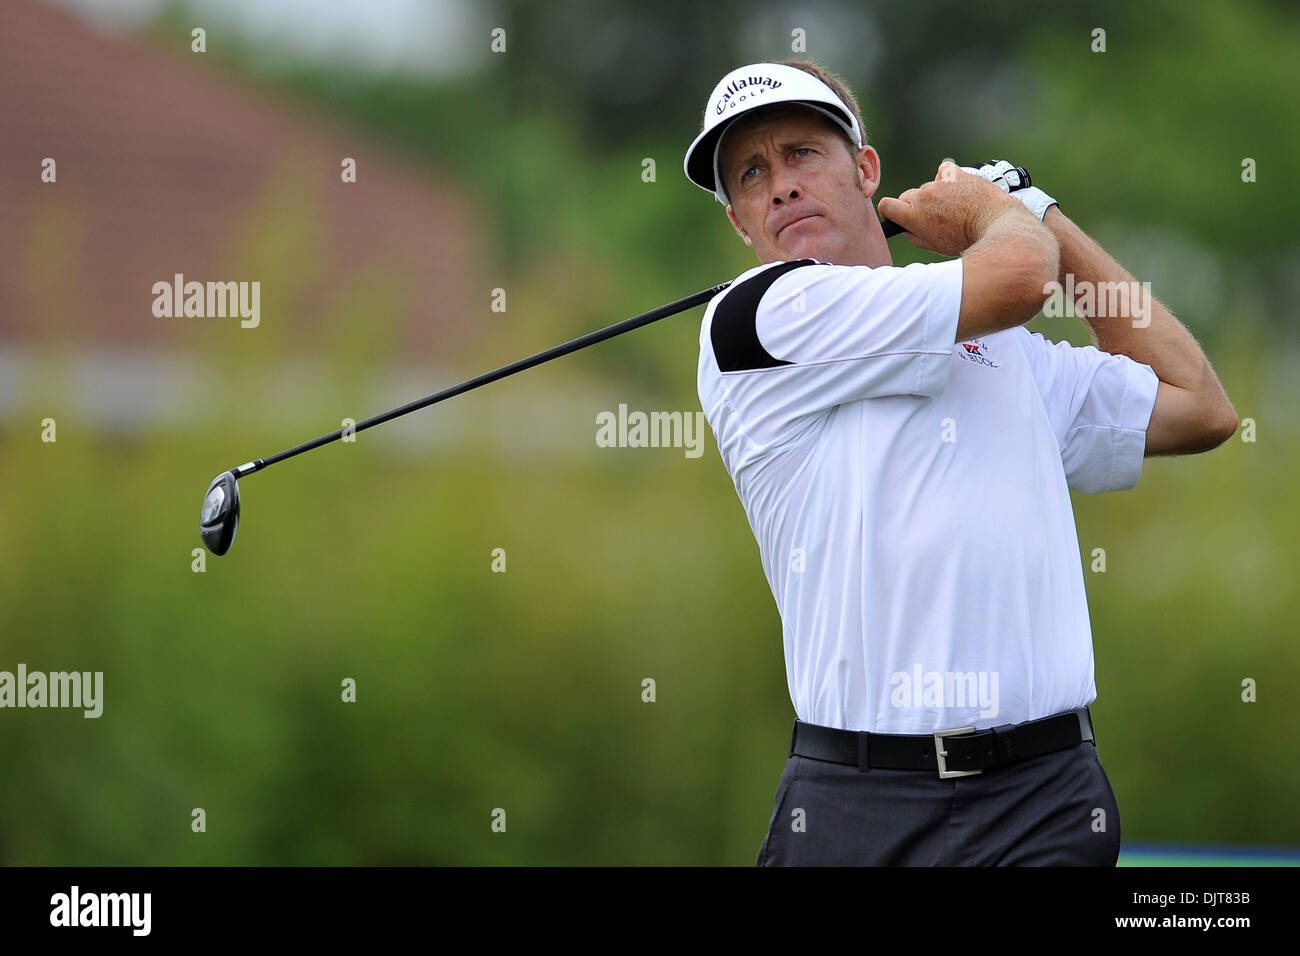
[(1009, 258), (1003, 281), (1192, 411)]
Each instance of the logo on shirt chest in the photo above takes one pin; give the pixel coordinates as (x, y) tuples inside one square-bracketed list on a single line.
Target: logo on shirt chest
[(977, 351)]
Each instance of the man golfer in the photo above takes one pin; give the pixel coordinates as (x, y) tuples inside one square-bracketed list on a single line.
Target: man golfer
[(904, 450)]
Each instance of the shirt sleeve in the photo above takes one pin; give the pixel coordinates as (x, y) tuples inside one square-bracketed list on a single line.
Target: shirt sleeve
[(823, 335), (1099, 406)]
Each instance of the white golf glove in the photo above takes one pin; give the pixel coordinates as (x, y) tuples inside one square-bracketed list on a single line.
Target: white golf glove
[(1015, 180)]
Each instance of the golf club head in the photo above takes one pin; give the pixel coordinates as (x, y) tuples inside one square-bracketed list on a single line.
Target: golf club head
[(219, 519)]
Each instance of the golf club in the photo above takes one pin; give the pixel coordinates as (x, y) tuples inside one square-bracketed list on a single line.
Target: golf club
[(219, 517)]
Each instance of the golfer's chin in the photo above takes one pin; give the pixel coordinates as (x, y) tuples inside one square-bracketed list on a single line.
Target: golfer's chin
[(805, 239)]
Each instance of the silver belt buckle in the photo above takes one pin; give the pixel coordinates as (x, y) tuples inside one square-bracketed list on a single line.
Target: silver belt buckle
[(940, 753)]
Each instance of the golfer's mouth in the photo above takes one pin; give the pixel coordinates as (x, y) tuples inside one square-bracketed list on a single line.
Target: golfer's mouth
[(795, 222)]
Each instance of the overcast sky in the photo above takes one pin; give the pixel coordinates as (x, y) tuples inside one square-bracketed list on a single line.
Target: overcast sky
[(431, 37)]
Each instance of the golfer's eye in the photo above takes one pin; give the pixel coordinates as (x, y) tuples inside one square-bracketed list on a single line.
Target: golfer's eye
[(803, 149), (745, 175)]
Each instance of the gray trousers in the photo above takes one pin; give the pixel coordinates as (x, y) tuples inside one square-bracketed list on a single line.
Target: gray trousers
[(1054, 810)]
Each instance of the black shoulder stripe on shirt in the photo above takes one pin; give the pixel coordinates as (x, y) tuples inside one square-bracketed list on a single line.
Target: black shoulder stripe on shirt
[(735, 337)]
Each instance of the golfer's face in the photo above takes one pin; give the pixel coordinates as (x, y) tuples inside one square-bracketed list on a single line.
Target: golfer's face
[(795, 190)]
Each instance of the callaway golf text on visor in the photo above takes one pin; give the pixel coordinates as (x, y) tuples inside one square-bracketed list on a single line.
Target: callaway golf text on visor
[(746, 88)]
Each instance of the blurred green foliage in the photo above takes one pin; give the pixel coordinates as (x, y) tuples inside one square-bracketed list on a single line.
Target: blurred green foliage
[(523, 690)]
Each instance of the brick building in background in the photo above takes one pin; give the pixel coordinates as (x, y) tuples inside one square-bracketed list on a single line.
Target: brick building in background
[(167, 165)]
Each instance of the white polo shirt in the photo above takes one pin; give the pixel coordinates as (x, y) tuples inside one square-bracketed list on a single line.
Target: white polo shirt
[(910, 495)]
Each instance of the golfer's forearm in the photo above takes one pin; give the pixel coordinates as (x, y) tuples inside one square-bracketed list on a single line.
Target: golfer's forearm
[(1005, 274), (1124, 317)]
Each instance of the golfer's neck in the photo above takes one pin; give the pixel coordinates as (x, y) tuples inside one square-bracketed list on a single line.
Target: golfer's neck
[(871, 254), (870, 249)]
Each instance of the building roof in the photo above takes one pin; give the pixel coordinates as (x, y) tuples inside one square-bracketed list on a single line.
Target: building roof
[(166, 164)]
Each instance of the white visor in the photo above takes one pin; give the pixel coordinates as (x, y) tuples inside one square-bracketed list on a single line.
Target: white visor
[(747, 88)]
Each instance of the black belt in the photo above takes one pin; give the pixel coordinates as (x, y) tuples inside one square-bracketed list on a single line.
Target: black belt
[(954, 753)]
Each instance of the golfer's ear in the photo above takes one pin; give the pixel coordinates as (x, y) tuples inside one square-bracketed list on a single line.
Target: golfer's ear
[(735, 224), (869, 169)]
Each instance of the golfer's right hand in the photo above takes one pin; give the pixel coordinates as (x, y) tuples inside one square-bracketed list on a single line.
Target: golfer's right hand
[(950, 214), (1006, 176)]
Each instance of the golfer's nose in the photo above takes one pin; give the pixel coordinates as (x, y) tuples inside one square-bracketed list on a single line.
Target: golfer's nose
[(785, 187)]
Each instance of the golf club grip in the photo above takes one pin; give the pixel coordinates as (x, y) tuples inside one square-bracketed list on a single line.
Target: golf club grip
[(892, 228)]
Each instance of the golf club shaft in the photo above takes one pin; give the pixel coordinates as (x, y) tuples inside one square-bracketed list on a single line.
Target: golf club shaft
[(591, 338)]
